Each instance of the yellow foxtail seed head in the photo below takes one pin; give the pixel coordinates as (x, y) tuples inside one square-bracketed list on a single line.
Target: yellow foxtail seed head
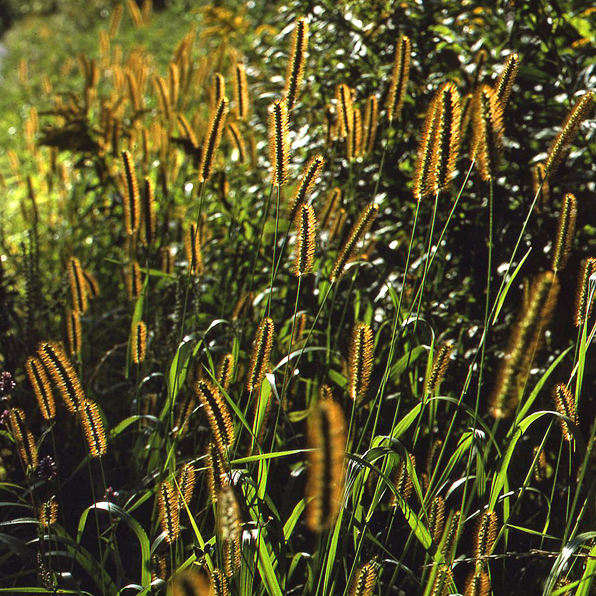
[(477, 584), (93, 428), (506, 78), (486, 532), (584, 296), (356, 234), (450, 535), (399, 78), (325, 483), (279, 142), (568, 132), (219, 584), (213, 138), (261, 354), (219, 87), (167, 260), (23, 438), (139, 342), (402, 481), (241, 92), (169, 513), (217, 473), (538, 178), (78, 287), (295, 70), (524, 344), (345, 110), (439, 367), (63, 374), (445, 149), (422, 170), (41, 387), (194, 255), (487, 124), (133, 280), (306, 226), (225, 370), (232, 556), (148, 213), (371, 122), (132, 201), (73, 331), (331, 206), (187, 479), (436, 518), (91, 284), (48, 512), (365, 578), (565, 404), (218, 414), (565, 232), (229, 519), (307, 181), (360, 361)]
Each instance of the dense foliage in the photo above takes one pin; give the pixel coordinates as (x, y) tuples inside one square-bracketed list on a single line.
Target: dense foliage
[(279, 328)]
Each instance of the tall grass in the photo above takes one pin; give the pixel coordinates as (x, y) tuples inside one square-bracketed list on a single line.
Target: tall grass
[(402, 405)]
